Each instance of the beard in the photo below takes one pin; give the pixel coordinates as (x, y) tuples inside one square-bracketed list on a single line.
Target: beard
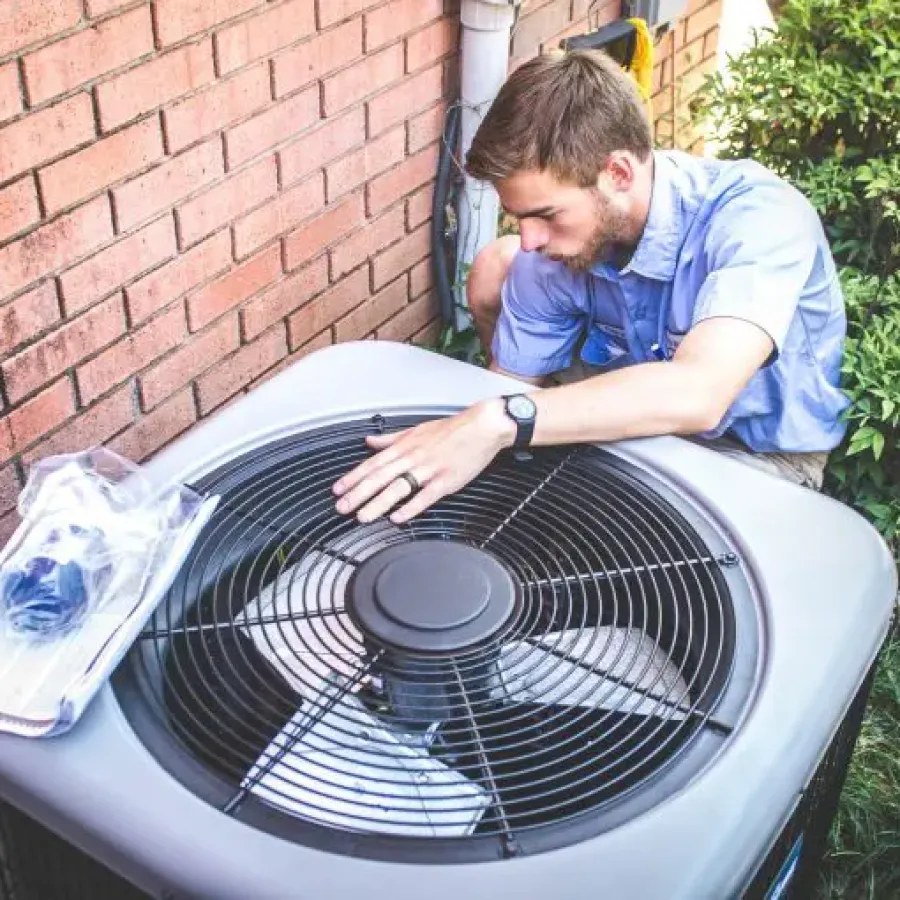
[(608, 241)]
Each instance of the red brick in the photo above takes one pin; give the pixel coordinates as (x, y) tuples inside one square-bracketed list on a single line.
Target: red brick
[(328, 308), (711, 43), (420, 278), (27, 316), (327, 142), (63, 348), (418, 206), (165, 185), (7, 448), (315, 236), (366, 243), (313, 59), (277, 124), (238, 285), (8, 525), (9, 489), (374, 157), (284, 298), (24, 22), (426, 128), (178, 19), (704, 20), (109, 269), (369, 315), (157, 429), (18, 207), (410, 320), (374, 72), (41, 414), (41, 136), (10, 96), (431, 43), (278, 216), (331, 11), (429, 335), (387, 189), (100, 165), (98, 424), (411, 95), (192, 358), (401, 257), (134, 352), (317, 343), (97, 8), (54, 246), (227, 378), (87, 54), (173, 280), (689, 55), (399, 17), (226, 201), (154, 83), (271, 30), (211, 109), (534, 27)]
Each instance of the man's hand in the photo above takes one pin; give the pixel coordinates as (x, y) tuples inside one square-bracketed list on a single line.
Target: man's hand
[(442, 456)]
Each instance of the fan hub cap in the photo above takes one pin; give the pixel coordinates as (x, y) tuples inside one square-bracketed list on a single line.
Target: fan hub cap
[(432, 597)]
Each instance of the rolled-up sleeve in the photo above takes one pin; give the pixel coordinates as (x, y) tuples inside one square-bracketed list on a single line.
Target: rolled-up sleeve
[(761, 247), (541, 318)]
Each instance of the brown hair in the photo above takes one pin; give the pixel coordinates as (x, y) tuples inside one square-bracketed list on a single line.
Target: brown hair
[(564, 113)]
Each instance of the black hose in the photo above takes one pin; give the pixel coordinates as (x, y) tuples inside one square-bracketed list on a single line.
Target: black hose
[(441, 194)]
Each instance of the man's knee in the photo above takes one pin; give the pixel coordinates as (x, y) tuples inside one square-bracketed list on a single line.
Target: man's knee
[(487, 275)]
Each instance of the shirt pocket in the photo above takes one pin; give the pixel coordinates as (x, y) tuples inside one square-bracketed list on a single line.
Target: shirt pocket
[(605, 346)]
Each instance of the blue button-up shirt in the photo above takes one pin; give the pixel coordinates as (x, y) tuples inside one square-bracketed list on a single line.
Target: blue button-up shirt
[(722, 239)]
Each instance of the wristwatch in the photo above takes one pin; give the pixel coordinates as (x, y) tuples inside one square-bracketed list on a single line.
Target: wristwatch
[(522, 410)]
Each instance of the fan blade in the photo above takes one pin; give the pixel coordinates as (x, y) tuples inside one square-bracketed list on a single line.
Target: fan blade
[(609, 668), (350, 770), (297, 621)]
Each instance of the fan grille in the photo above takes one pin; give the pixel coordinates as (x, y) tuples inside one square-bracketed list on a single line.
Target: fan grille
[(596, 697)]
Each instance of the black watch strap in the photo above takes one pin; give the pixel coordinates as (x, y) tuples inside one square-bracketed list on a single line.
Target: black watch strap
[(521, 409)]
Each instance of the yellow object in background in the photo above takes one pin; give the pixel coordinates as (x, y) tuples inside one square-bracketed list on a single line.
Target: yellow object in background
[(641, 67)]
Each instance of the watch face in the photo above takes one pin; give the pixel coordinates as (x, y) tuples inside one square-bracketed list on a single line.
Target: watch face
[(521, 407)]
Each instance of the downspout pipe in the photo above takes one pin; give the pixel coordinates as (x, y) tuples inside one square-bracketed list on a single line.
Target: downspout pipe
[(486, 29)]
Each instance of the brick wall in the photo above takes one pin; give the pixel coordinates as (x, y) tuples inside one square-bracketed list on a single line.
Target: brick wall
[(194, 194), (677, 78)]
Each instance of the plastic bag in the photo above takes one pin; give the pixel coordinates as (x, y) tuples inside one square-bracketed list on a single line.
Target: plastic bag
[(92, 522), (98, 546)]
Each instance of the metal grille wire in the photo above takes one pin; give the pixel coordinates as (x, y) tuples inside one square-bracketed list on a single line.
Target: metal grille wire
[(609, 671)]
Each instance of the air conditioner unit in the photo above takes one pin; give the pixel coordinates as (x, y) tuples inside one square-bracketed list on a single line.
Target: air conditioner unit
[(633, 671)]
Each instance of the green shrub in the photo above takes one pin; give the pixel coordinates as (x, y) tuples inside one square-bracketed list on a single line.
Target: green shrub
[(818, 101)]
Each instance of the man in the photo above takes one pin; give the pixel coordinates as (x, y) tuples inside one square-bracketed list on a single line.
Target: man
[(648, 293)]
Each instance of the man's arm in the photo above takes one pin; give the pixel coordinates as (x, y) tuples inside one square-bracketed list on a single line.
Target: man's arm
[(690, 394)]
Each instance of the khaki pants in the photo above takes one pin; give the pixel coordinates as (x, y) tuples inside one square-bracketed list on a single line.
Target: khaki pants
[(804, 469)]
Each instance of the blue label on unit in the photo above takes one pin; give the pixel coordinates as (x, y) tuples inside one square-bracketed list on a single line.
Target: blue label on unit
[(782, 881)]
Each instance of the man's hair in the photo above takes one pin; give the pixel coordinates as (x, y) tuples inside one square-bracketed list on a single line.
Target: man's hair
[(564, 113)]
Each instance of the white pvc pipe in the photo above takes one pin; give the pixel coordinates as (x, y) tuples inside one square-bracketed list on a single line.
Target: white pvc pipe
[(486, 26)]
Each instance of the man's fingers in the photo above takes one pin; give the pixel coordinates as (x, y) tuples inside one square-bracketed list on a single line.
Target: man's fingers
[(397, 490), (365, 470), (418, 503), (380, 441)]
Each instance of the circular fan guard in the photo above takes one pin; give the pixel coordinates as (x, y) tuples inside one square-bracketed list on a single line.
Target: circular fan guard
[(600, 684)]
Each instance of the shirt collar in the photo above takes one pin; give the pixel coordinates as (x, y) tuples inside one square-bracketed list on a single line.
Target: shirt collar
[(656, 254)]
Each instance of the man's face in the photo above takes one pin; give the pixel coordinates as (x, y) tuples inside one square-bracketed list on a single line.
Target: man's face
[(570, 224)]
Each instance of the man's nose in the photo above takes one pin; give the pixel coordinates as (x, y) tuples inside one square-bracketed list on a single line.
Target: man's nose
[(533, 234)]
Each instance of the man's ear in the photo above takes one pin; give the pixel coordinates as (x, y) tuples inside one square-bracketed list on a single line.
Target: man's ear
[(619, 172)]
